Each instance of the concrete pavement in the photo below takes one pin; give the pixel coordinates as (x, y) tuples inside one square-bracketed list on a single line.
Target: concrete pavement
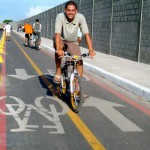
[(130, 75)]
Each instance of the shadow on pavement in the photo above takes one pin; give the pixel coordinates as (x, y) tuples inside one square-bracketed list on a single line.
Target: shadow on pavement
[(54, 89), (31, 47)]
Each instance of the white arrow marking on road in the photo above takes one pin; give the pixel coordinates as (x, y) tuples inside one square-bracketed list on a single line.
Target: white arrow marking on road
[(112, 114), (21, 74)]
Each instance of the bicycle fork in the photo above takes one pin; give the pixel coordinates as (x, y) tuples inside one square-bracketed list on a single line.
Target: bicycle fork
[(72, 80)]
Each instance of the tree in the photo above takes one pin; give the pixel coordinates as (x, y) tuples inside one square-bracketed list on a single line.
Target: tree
[(7, 21)]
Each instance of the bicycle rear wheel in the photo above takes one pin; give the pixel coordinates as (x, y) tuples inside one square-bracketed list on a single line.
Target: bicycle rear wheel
[(76, 93)]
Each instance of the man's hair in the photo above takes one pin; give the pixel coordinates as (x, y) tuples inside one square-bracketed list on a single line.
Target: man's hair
[(37, 20), (70, 3)]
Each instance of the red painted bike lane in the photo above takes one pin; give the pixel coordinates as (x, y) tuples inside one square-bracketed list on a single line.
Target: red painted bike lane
[(3, 105)]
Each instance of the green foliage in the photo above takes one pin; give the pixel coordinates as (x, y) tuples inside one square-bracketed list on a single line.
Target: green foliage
[(5, 21)]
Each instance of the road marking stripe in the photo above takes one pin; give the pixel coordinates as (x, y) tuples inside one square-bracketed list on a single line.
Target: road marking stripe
[(88, 135)]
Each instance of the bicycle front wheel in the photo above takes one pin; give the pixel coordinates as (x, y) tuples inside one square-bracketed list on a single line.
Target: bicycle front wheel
[(76, 93)]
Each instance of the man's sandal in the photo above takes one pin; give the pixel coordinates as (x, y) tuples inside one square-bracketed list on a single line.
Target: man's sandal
[(57, 79), (85, 96)]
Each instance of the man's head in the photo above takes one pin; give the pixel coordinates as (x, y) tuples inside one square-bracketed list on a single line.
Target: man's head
[(37, 20), (70, 10)]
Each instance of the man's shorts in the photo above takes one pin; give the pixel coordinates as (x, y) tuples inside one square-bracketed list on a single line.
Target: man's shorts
[(70, 47), (28, 35), (7, 33)]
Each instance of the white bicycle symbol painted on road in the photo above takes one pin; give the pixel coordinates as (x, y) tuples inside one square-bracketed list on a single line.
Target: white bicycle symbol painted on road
[(50, 114)]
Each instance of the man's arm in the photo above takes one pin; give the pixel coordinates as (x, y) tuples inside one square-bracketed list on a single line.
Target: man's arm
[(58, 30), (89, 44), (59, 50), (85, 31), (79, 36), (57, 41)]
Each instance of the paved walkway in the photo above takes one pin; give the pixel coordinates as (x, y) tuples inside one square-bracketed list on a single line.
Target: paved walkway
[(133, 76)]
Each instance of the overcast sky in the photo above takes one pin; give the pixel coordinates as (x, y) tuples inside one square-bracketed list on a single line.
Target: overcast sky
[(21, 9)]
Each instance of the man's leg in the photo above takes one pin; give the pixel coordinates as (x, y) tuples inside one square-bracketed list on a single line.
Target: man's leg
[(30, 36), (80, 71), (58, 63), (26, 38), (80, 67), (6, 36), (34, 37)]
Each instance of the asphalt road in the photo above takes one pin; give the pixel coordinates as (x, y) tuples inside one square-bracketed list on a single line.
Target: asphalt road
[(32, 118)]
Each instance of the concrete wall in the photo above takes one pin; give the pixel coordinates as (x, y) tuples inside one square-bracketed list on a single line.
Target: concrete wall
[(145, 33), (117, 27)]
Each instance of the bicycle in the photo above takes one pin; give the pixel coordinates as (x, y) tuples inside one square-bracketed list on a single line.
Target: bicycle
[(71, 82)]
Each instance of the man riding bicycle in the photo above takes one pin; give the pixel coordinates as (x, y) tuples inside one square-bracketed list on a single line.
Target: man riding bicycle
[(66, 34), (28, 32), (37, 28)]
